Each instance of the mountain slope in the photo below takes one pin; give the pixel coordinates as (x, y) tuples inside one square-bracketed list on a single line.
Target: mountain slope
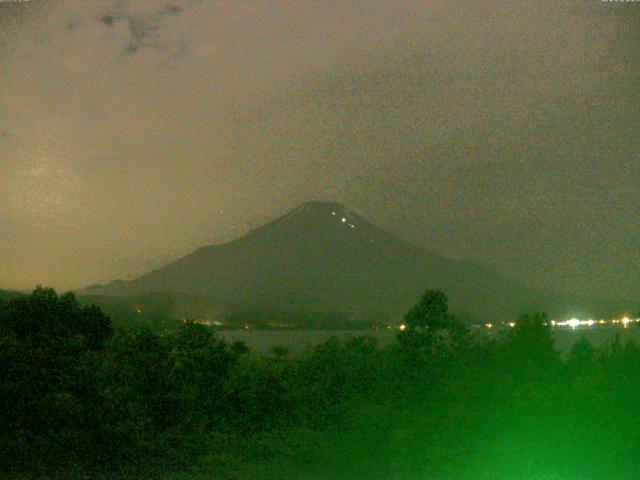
[(321, 257)]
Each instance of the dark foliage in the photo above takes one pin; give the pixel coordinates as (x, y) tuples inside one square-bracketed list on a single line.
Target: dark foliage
[(78, 400)]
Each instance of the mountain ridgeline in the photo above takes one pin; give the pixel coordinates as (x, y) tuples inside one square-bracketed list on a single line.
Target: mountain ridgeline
[(322, 260)]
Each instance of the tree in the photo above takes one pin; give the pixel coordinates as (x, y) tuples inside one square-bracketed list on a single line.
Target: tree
[(531, 343), (431, 312), (50, 352), (280, 352), (43, 317), (582, 353)]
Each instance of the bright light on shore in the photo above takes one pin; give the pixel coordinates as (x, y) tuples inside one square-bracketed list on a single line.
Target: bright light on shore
[(574, 322)]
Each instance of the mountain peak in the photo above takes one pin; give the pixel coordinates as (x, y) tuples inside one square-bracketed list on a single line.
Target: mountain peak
[(322, 205), (323, 257), (317, 216)]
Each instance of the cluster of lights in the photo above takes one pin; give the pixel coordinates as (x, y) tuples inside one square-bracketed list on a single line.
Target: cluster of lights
[(575, 323), (344, 220)]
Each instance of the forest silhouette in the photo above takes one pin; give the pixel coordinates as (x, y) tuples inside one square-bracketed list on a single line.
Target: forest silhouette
[(82, 399)]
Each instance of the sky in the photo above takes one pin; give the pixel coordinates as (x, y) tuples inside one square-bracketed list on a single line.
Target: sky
[(506, 133)]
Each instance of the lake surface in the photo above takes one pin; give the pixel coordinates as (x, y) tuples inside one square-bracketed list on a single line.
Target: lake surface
[(298, 341)]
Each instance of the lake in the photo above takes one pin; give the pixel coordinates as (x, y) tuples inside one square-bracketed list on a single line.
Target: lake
[(297, 341)]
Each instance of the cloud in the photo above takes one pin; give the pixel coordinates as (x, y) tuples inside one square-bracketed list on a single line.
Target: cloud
[(145, 27), (455, 125)]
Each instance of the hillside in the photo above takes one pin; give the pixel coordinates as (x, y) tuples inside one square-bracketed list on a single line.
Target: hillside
[(323, 259)]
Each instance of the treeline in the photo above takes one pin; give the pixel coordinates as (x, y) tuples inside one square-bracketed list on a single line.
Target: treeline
[(79, 399)]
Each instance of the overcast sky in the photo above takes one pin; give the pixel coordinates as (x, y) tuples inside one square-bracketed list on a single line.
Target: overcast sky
[(132, 132)]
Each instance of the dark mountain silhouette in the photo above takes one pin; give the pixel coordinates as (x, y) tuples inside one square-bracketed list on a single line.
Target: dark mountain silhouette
[(322, 258)]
